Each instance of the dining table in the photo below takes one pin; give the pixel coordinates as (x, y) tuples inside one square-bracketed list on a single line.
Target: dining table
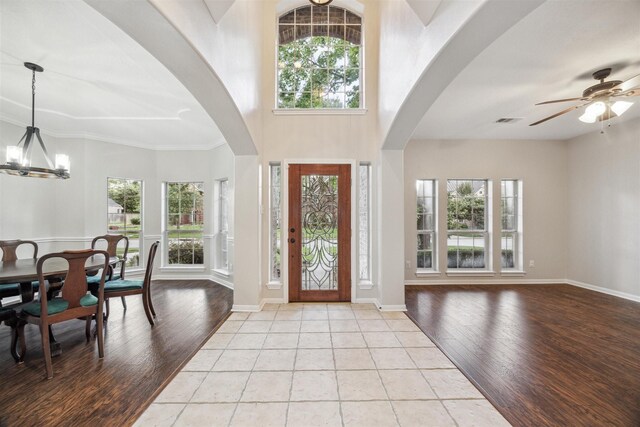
[(24, 272)]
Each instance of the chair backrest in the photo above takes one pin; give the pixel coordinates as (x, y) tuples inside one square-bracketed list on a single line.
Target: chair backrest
[(75, 283), (152, 256), (112, 247), (9, 248)]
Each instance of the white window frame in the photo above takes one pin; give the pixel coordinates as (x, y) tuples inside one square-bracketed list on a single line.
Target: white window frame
[(517, 231), (275, 238), (364, 227), (141, 258), (433, 231), (221, 259), (165, 230), (333, 111), (486, 233)]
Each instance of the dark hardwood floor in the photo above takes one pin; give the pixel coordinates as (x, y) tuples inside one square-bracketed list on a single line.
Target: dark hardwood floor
[(544, 355), (139, 360)]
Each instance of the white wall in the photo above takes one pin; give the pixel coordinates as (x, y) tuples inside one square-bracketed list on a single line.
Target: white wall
[(604, 209), (541, 165), (67, 214)]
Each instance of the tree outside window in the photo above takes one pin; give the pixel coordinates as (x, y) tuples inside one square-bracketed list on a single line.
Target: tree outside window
[(467, 235), (185, 222), (124, 215), (319, 58)]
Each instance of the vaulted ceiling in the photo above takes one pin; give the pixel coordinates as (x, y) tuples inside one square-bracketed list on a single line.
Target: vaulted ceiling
[(101, 84), (98, 83), (550, 54)]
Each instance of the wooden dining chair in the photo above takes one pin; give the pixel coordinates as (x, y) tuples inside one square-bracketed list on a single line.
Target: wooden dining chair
[(115, 272), (9, 250), (73, 302), (123, 288)]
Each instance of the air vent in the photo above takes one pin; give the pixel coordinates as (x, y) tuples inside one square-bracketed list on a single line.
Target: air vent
[(509, 120)]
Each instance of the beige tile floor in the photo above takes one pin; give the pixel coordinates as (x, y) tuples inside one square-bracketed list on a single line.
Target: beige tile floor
[(320, 365)]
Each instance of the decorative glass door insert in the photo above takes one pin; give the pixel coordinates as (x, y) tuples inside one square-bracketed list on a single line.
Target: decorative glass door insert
[(319, 232)]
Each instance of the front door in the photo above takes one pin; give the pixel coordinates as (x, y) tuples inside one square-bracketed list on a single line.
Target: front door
[(319, 233)]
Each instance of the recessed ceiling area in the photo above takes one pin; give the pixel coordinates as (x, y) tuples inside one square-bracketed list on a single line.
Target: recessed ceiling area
[(98, 83), (548, 55)]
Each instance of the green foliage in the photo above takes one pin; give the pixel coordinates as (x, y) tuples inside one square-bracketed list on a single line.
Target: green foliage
[(126, 193), (135, 220), (186, 252), (319, 72), (464, 210), (185, 201)]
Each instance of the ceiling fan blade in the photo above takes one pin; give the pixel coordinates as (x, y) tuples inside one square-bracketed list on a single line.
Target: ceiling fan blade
[(632, 83), (559, 100), (575, 107)]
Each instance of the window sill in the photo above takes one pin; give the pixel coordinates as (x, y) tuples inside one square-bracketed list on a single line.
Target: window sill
[(274, 286), (426, 273), (225, 273), (365, 284), (181, 268), (513, 273), (319, 111), (475, 273)]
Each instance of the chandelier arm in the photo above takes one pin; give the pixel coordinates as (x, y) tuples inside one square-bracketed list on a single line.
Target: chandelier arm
[(44, 149), (26, 148)]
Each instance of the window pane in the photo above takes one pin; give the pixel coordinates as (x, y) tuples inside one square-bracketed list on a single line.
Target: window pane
[(425, 214), (319, 42), (185, 219), (466, 211), (124, 215), (364, 207), (510, 258), (275, 222)]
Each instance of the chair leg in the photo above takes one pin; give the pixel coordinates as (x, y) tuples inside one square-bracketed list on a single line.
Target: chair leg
[(124, 303), (87, 329), (106, 302), (100, 333), (147, 311), (153, 310), (44, 332)]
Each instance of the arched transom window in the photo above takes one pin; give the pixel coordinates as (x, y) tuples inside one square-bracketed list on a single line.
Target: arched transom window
[(319, 58)]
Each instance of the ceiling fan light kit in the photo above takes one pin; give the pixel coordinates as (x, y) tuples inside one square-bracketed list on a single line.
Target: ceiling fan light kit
[(320, 2), (601, 99), (18, 157)]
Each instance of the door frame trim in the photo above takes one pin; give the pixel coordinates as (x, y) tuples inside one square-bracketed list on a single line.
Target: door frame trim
[(285, 218)]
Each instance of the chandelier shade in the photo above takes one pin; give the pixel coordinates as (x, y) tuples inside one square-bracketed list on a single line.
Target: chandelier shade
[(18, 157)]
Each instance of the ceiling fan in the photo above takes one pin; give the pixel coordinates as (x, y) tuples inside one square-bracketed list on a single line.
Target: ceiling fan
[(603, 100)]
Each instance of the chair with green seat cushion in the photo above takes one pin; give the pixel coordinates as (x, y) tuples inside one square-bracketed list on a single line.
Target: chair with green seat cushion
[(123, 288), (115, 271), (74, 301), (57, 305)]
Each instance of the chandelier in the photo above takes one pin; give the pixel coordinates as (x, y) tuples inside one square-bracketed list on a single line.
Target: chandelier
[(19, 156)]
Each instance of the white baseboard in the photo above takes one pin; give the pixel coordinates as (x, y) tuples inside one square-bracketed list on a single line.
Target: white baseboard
[(602, 290), (225, 283), (398, 307), (247, 308), (273, 301), (513, 281), (180, 277), (366, 301)]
